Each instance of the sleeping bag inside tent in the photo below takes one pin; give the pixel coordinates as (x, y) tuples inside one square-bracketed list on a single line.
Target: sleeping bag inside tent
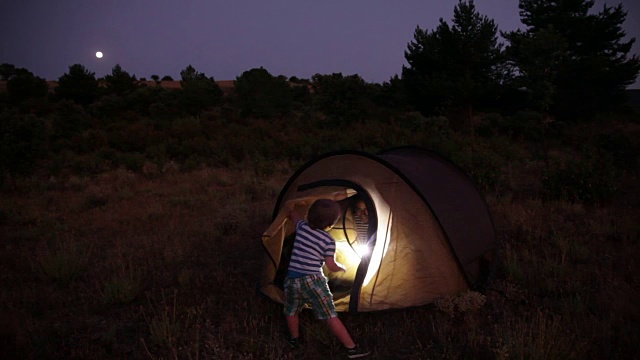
[(429, 234)]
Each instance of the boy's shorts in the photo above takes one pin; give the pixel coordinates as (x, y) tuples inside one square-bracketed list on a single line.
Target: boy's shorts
[(310, 289)]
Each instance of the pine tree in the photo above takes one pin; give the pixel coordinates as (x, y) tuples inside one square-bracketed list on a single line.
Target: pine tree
[(199, 91), (260, 94), (454, 66), (120, 82), (79, 85), (572, 62)]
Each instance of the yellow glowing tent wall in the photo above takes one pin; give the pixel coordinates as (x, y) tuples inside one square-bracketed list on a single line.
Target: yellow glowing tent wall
[(434, 235)]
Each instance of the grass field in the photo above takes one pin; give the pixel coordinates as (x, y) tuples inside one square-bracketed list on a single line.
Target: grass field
[(163, 265)]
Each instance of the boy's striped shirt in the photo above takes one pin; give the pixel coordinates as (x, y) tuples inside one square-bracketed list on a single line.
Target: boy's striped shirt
[(309, 250)]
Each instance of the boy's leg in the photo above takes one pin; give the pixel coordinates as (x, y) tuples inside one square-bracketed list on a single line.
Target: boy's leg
[(340, 331), (293, 325), (292, 307)]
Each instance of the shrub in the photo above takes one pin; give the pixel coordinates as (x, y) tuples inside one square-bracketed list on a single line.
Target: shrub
[(591, 179), (132, 161), (482, 164), (85, 164), (163, 321), (461, 303), (22, 142), (69, 120), (527, 125), (95, 198), (434, 126), (63, 263), (121, 289), (625, 152)]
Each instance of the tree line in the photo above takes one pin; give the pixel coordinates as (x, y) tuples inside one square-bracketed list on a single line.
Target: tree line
[(568, 63)]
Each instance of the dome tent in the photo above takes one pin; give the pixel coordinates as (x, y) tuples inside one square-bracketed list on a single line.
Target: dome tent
[(430, 233)]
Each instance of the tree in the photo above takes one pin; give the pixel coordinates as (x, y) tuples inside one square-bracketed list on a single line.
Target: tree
[(79, 85), (392, 94), (199, 91), (531, 60), (7, 71), (454, 66), (119, 82), (342, 97), (260, 94), (24, 85), (573, 62)]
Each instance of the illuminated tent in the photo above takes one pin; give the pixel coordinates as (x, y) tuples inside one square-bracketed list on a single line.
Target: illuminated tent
[(430, 232)]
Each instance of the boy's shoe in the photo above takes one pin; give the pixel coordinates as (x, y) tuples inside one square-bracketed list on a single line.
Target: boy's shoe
[(357, 352), (294, 342)]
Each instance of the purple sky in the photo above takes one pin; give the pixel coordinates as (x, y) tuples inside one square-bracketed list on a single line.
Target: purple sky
[(225, 38)]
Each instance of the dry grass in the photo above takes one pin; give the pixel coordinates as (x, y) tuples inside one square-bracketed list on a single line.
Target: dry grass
[(125, 265)]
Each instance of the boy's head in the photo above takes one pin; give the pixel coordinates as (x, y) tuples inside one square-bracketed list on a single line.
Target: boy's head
[(323, 214)]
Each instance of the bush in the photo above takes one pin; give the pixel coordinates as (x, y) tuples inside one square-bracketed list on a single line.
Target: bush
[(483, 165), (591, 179), (132, 161), (64, 263), (22, 142), (69, 120), (625, 152), (132, 137), (89, 141), (526, 125)]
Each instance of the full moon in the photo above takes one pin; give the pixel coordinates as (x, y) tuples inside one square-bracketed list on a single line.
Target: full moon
[(99, 54)]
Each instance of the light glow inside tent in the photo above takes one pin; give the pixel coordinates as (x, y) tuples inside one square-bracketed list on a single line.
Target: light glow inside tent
[(352, 254), (377, 250), (361, 250), (348, 255), (382, 244)]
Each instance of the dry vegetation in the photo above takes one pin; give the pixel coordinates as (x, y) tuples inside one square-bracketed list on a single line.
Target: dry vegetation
[(162, 264)]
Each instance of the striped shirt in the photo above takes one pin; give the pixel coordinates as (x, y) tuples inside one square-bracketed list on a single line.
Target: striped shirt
[(309, 250), (362, 229)]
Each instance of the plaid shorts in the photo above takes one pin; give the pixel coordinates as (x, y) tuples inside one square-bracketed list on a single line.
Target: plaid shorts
[(312, 290)]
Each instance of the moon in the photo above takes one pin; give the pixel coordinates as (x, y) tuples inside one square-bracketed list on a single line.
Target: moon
[(99, 54)]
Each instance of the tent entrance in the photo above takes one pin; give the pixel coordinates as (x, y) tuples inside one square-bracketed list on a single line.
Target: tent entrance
[(353, 247)]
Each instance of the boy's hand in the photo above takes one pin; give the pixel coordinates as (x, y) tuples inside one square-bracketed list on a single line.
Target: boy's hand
[(333, 265)]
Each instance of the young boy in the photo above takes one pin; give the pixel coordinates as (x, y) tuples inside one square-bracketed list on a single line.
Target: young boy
[(305, 282)]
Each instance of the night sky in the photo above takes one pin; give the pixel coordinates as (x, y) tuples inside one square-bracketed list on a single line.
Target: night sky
[(225, 38)]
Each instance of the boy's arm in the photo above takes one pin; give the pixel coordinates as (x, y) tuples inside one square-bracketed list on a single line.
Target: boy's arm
[(295, 216), (334, 266)]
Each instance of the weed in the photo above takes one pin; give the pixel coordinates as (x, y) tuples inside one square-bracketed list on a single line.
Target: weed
[(590, 180), (163, 322), (543, 336), (65, 262), (511, 265), (461, 303), (122, 288), (94, 198)]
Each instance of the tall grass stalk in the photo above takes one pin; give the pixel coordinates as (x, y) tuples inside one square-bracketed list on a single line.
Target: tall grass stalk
[(64, 262)]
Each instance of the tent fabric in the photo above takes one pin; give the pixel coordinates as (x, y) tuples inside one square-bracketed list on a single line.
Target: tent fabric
[(430, 231)]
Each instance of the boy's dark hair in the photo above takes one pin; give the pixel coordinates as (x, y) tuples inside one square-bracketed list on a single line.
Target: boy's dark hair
[(323, 213)]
